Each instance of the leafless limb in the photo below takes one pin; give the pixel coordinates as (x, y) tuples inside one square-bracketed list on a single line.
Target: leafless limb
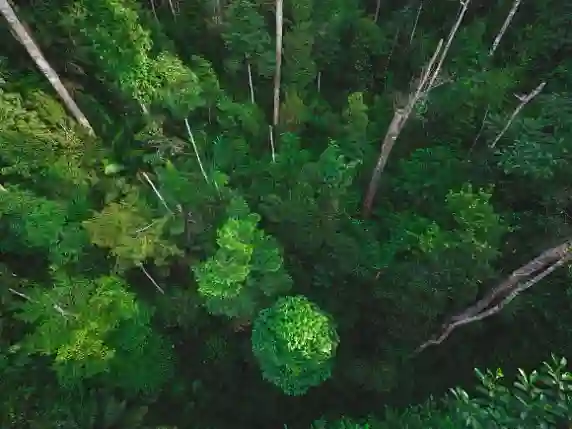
[(192, 139), (271, 132), (172, 9), (159, 288), (416, 21), (452, 34), (377, 9), (250, 84), (504, 27), (154, 10), (56, 306), (524, 100), (520, 280), (319, 83), (146, 177), (426, 83), (23, 36), (277, 74), (480, 130)]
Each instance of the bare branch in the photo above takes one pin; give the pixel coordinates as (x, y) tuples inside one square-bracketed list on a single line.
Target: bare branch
[(56, 306), (146, 176), (504, 27), (250, 84), (23, 36), (271, 132), (539, 268), (524, 100), (377, 9), (416, 21), (480, 130), (192, 139), (452, 34), (159, 288), (172, 9)]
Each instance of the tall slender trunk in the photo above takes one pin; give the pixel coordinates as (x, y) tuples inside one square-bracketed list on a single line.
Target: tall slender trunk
[(34, 51), (277, 74), (250, 84)]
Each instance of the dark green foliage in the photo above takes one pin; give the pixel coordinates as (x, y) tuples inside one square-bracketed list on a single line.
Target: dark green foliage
[(191, 266)]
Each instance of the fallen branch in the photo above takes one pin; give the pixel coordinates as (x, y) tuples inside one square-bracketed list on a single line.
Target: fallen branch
[(426, 83), (524, 100), (520, 280)]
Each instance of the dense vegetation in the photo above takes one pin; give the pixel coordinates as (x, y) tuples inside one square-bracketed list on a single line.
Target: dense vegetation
[(248, 213)]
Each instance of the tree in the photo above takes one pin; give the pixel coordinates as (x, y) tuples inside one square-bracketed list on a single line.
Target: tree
[(294, 342)]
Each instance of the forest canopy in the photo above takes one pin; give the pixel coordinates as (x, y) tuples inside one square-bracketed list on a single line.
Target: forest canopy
[(349, 214)]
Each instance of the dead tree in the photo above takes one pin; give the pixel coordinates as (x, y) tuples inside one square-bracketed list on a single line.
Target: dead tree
[(23, 36), (519, 281), (427, 81)]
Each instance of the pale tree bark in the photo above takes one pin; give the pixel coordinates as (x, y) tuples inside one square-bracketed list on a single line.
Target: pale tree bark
[(426, 83), (377, 9), (24, 37), (504, 27), (519, 281), (250, 83)]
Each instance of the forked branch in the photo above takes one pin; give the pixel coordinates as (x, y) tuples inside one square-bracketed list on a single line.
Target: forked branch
[(520, 280)]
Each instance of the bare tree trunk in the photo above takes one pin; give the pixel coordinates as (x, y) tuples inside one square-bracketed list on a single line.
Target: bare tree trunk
[(277, 74), (426, 83), (400, 117), (520, 280), (25, 39)]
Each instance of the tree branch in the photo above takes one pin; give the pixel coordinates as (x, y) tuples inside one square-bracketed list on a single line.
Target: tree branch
[(539, 268), (504, 27), (524, 100)]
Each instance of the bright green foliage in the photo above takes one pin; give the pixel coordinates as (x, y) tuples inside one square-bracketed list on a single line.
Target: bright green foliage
[(295, 343), (542, 398), (130, 66), (32, 148), (130, 234), (246, 270), (41, 224), (88, 327), (355, 127)]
